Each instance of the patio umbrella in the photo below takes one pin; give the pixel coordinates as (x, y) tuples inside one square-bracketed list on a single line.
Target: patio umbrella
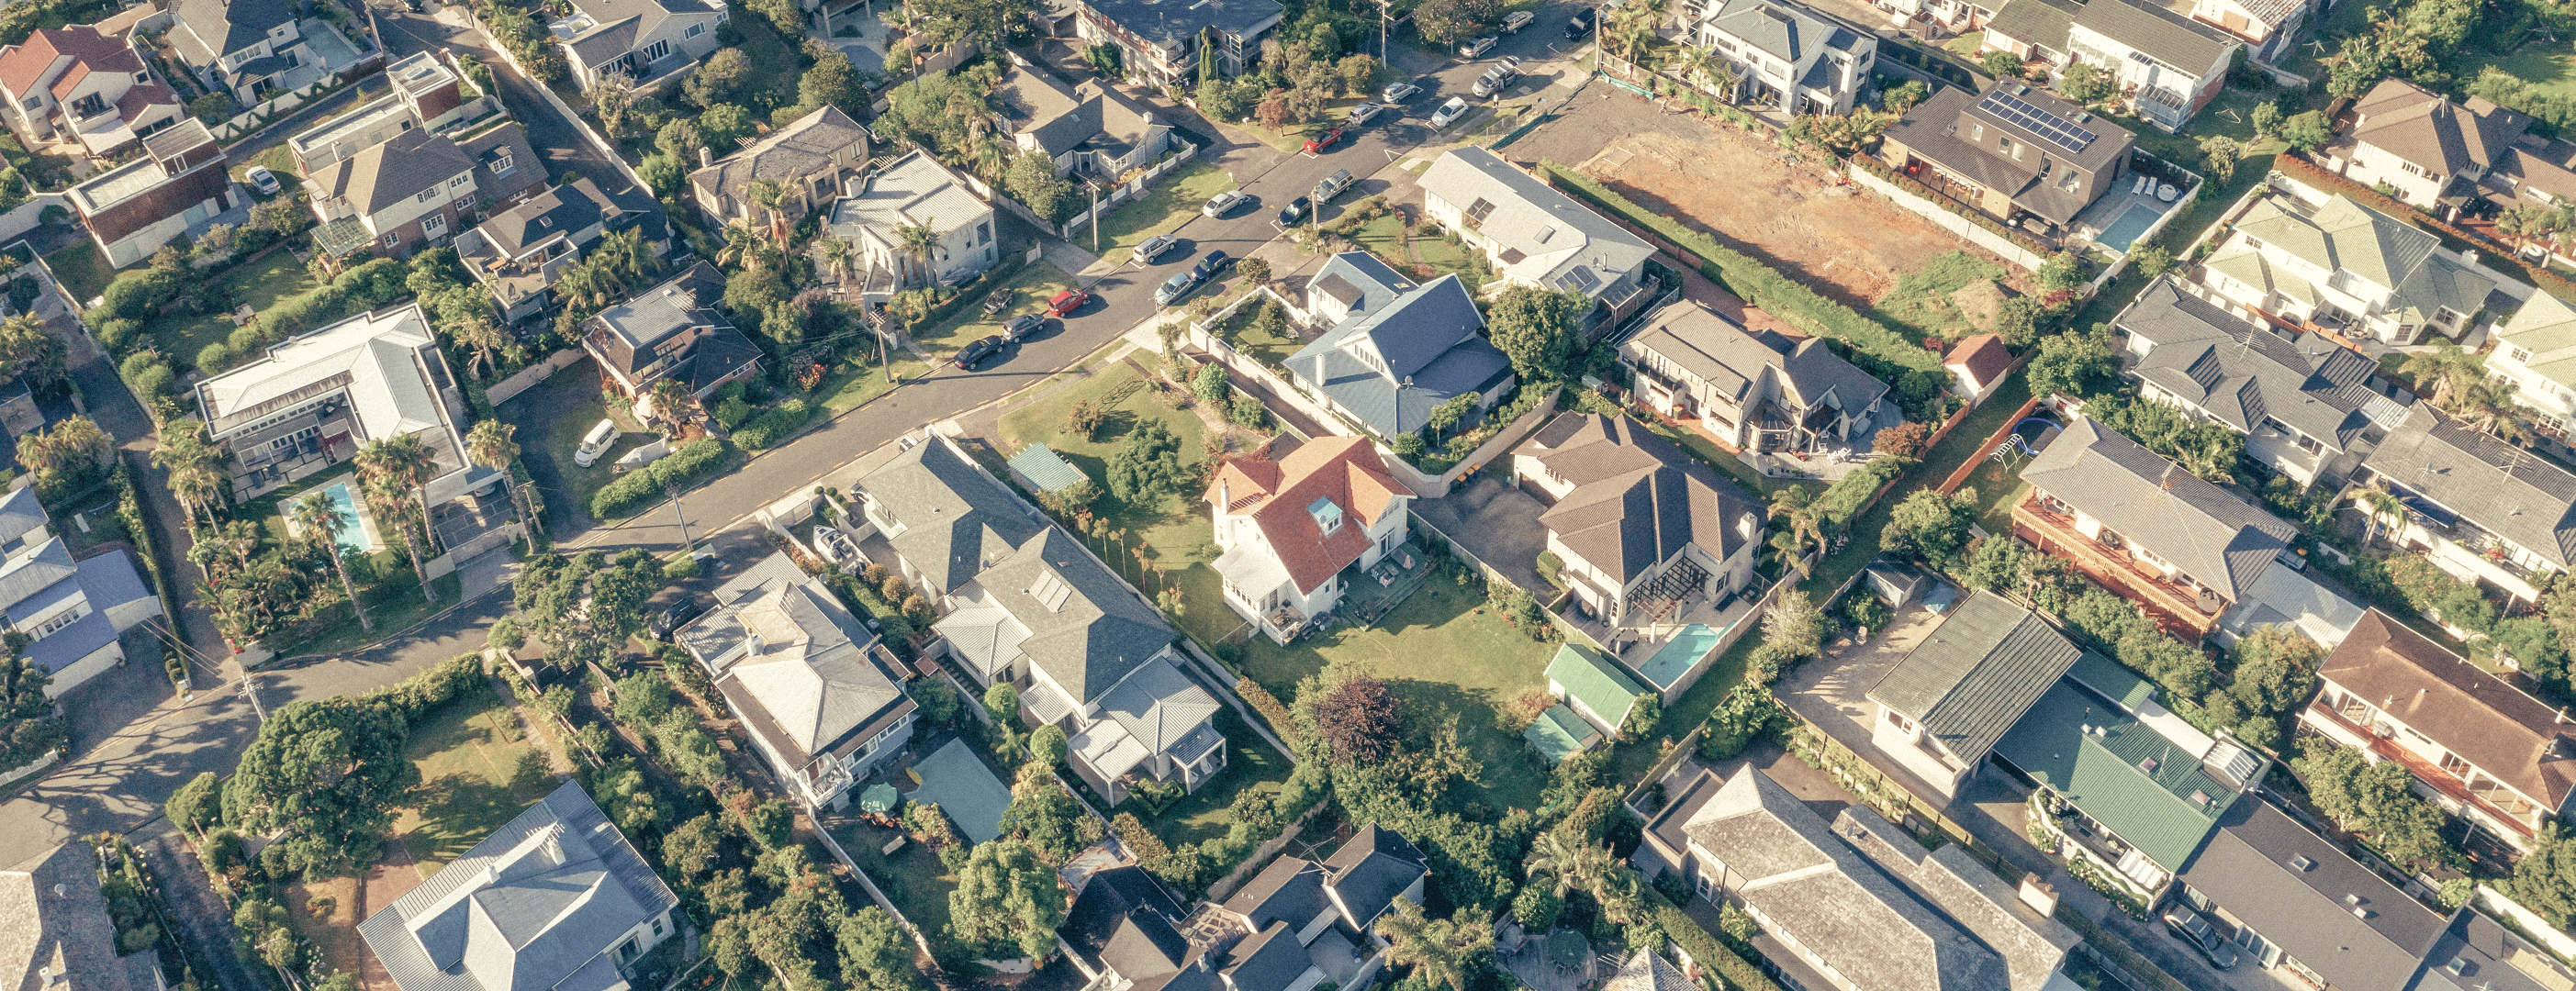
[(879, 797)]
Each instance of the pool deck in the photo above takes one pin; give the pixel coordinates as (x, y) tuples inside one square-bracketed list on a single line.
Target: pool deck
[(1704, 622), (361, 535), (2104, 217)]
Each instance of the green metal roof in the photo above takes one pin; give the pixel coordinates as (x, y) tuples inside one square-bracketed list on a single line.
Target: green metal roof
[(2133, 781), (1596, 682), (1040, 466), (1559, 734), (1975, 675), (2113, 680)]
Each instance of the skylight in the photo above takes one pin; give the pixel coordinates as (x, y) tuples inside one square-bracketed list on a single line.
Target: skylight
[(1051, 590), (1328, 517)]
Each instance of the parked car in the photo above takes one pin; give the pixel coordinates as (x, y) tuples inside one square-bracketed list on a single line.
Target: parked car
[(1209, 267), (1321, 143), (1174, 288), (1295, 211), (1478, 47), (1498, 78), (263, 181), (1364, 113), (1332, 185), (679, 614), (1067, 301), (595, 443), (1156, 247), (1581, 23), (1449, 112), (1225, 202), (977, 352), (1019, 328), (2194, 929), (1519, 19), (1399, 92)]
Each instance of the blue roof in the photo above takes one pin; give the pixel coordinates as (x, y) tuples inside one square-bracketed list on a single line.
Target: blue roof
[(1360, 280), (1428, 350), (68, 645)]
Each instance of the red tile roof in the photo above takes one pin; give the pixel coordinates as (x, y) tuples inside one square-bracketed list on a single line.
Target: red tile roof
[(21, 66), (1983, 357), (1276, 494)]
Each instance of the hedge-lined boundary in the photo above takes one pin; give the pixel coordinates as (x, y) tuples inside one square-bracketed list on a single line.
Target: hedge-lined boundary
[(683, 468), (147, 544), (1739, 974)]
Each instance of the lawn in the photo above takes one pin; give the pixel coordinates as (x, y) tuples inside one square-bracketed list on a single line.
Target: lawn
[(1170, 204), (1425, 248), (325, 912), (280, 162), (846, 389), (912, 877), (563, 437), (1250, 766), (1269, 349), (2548, 69), (394, 604), (479, 768), (1292, 138), (91, 525), (1965, 46), (81, 268), (774, 58), (1920, 301), (1999, 487), (1030, 289), (1446, 650), (259, 283)]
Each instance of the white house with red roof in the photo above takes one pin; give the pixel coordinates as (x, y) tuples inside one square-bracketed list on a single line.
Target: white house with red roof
[(1289, 528), (81, 85)]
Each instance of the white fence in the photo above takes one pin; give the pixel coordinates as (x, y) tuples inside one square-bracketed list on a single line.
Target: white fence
[(527, 378), (2523, 920), (1131, 190), (1949, 221)]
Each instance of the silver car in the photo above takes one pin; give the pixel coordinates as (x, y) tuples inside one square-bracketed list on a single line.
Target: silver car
[(1365, 113), (1478, 47), (1449, 112), (1156, 247), (1399, 92), (2196, 930), (1498, 78)]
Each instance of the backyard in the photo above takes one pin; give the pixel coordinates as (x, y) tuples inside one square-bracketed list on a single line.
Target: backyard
[(1252, 766), (1949, 297), (258, 284), (81, 268), (1421, 251), (1029, 291), (912, 877), (1169, 204)]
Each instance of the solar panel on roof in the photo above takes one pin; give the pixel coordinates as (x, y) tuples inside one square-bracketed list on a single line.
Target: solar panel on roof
[(1580, 280), (2021, 113)]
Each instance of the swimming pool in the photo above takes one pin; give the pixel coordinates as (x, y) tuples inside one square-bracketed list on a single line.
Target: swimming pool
[(2124, 232), (359, 533), (1678, 655)]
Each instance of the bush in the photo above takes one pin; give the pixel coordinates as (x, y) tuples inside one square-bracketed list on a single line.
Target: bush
[(775, 426), (680, 469), (214, 357)]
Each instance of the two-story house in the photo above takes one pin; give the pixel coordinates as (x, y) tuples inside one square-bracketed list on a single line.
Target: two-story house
[(418, 188), (2430, 149), (1643, 529), (428, 94), (806, 160), (1786, 54), (2347, 268), (2266, 27), (85, 86), (1759, 392), (1160, 44), (1942, 708), (1290, 531), (238, 46), (73, 612), (1533, 235), (2167, 65), (820, 696), (62, 935), (2481, 509), (912, 192), (1301, 922), (314, 400), (520, 252), (650, 42), (2535, 353), (2013, 152), (937, 519), (2292, 901), (177, 186), (2310, 408), (1090, 128), (1399, 351), (671, 331)]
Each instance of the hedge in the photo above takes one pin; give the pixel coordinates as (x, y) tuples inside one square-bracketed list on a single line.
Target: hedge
[(1759, 284), (685, 467), (1738, 973), (774, 426)]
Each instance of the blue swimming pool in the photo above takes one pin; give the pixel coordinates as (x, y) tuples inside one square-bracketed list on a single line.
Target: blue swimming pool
[(1678, 655), (2124, 231), (353, 534)]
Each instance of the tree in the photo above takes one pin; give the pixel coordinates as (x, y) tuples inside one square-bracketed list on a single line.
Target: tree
[(197, 806), (1146, 468), (394, 468), (1209, 384), (1903, 440), (2306, 131), (2062, 271), (2074, 365), (2152, 260), (1802, 529), (875, 953), (493, 444), (2001, 64), (2265, 118), (68, 453), (1450, 953), (2374, 798), (191, 462), (324, 777), (2219, 155), (1794, 626), (2089, 84), (585, 607), (1047, 746), (984, 22), (1031, 179), (2276, 669), (1006, 896), (320, 519), (2545, 879), (1445, 23), (1897, 99), (1930, 526), (718, 78), (1358, 721), (1536, 329), (28, 352), (1047, 817)]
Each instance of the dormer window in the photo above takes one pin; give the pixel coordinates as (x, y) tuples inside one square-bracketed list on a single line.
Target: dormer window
[(1328, 517)]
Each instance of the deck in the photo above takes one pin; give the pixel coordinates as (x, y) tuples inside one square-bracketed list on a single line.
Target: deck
[(2182, 610)]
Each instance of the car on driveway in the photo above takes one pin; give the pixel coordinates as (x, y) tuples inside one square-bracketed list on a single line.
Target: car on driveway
[(1066, 302), (1449, 112), (1295, 211), (1156, 247), (1399, 92), (1174, 288), (1498, 78), (1211, 266), (2191, 927), (1478, 47), (671, 618), (1225, 202), (1321, 143), (1518, 20), (1581, 23), (977, 352), (1365, 113), (1022, 327), (263, 180)]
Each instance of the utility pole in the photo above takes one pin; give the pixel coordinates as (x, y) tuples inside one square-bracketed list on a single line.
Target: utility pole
[(679, 512), (1095, 214), (1385, 11)]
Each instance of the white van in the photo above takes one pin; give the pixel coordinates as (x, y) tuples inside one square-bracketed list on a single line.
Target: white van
[(595, 443)]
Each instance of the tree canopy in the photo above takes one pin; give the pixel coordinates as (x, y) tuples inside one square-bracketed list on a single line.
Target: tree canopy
[(1007, 897), (585, 607), (323, 776), (1537, 330)]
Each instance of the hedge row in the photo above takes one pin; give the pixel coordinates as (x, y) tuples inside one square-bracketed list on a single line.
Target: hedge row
[(637, 489), (1759, 284), (1738, 974), (774, 426)]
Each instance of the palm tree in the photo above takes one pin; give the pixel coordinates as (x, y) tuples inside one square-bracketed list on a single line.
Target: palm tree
[(1692, 63), (1555, 855), (2444, 375), (771, 197), (1447, 952), (919, 242), (190, 461), (321, 520), (671, 401), (2378, 505), (1805, 520), (494, 444), (394, 469), (839, 259), (481, 338)]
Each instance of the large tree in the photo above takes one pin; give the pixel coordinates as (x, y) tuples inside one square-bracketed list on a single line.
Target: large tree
[(2373, 798), (1445, 953), (875, 953), (1007, 897), (1146, 468), (1357, 720), (1537, 330), (585, 607), (394, 469), (2074, 365), (1047, 817), (984, 22), (2545, 879), (323, 778), (29, 724), (1930, 526)]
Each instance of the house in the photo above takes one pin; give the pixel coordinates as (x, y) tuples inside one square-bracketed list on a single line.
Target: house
[(177, 186), (1326, 909), (1786, 55), (1160, 44), (2532, 354), (648, 41), (1596, 688), (1385, 370), (1090, 128), (2347, 268), (2483, 510), (72, 612), (241, 47), (938, 518), (1123, 929), (1944, 706), (805, 159), (2483, 748), (2289, 899), (1857, 905), (1977, 364), (419, 187), (2199, 557), (518, 253), (820, 696), (2018, 154), (60, 936), (315, 399), (671, 331), (2310, 408), (2432, 151), (1758, 392), (2167, 65), (914, 192), (428, 94), (80, 85), (2266, 27), (1291, 532), (556, 898), (1535, 236), (1643, 529)]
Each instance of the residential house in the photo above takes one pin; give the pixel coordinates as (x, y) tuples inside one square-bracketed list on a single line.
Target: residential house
[(520, 252), (1944, 706), (2020, 155), (1384, 370), (1326, 909), (2291, 900), (671, 331), (428, 94), (72, 612), (1535, 236), (937, 519), (1855, 905), (805, 160), (1292, 532), (1644, 530), (2532, 354), (1759, 392), (1160, 44), (648, 41), (2310, 408), (1595, 688), (556, 898), (1977, 364), (1091, 128), (1123, 930), (1786, 55), (2347, 268), (2483, 510), (241, 47), (911, 193), (2167, 65), (81, 85), (2479, 745), (2266, 27), (420, 187), (178, 186), (2432, 151), (315, 399), (60, 936), (820, 696), (2201, 558)]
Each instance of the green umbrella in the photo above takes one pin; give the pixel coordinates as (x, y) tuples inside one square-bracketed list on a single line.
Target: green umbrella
[(879, 797)]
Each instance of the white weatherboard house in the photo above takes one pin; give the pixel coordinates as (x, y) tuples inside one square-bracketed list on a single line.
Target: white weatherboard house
[(1534, 235), (1290, 531), (313, 401), (72, 611), (915, 191)]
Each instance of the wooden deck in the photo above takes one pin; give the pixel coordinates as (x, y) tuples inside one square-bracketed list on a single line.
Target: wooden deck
[(2173, 606)]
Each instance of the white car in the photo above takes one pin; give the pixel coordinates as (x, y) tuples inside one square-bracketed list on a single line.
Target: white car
[(1365, 112), (1399, 92), (1156, 247), (1478, 47), (263, 180), (1449, 112), (1498, 78), (1224, 203), (1519, 19), (595, 443)]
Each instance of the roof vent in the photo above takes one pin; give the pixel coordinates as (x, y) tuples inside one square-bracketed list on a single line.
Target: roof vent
[(2302, 863), (2148, 765)]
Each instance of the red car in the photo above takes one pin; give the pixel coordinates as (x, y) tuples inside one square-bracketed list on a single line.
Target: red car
[(1067, 302), (1316, 145)]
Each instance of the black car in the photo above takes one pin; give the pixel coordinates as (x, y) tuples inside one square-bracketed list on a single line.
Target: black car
[(1208, 267), (1020, 328), (2191, 927), (977, 352), (678, 614), (1295, 210), (1581, 23)]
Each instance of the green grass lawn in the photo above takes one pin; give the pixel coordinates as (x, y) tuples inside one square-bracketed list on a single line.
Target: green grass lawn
[(1998, 489), (1921, 302), (1427, 247), (563, 437), (1269, 349), (2552, 69), (1250, 766), (260, 284), (105, 527), (81, 268), (1965, 46), (1168, 205), (280, 161), (1029, 290), (479, 768), (845, 390), (393, 604), (913, 878), (1446, 650)]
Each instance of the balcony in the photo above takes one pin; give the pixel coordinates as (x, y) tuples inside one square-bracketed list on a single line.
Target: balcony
[(2453, 791), (2181, 609)]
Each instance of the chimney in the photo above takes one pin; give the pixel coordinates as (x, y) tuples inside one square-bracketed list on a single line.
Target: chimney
[(2040, 896), (706, 156)]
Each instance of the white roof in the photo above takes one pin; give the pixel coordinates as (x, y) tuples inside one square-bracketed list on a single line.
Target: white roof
[(913, 189), (377, 357), (1541, 237)]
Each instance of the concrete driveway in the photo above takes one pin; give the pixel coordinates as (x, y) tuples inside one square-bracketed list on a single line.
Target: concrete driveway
[(1495, 521)]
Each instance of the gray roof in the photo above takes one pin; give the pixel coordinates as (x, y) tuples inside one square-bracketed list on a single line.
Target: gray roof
[(1389, 368), (2168, 37), (677, 318), (565, 209), (2240, 372), (1977, 673), (1792, 32), (2042, 21), (1637, 500), (1174, 23), (1359, 281), (394, 171), (802, 150), (42, 578), (1563, 243), (1371, 869), (2477, 954), (1157, 705), (536, 906), (620, 23), (794, 663), (1290, 890), (2252, 868), (1062, 119), (1707, 345), (1931, 129), (21, 514), (2033, 946), (954, 519), (1123, 921), (229, 26), (2467, 474), (1646, 970), (1270, 960), (2210, 534), (1088, 631), (59, 928)]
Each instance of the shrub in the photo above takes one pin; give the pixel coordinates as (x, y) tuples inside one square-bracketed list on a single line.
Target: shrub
[(214, 357), (775, 426), (682, 468)]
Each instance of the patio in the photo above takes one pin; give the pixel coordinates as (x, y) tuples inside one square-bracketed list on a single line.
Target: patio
[(2121, 216), (327, 53)]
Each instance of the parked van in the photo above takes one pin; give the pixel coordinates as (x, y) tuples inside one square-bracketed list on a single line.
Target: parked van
[(1332, 185), (595, 443)]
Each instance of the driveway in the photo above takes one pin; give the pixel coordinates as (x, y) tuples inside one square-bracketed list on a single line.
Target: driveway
[(1495, 521)]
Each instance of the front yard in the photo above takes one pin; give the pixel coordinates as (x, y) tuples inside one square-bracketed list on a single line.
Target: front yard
[(82, 269), (479, 768), (1029, 291), (258, 284), (1422, 251), (1169, 204)]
